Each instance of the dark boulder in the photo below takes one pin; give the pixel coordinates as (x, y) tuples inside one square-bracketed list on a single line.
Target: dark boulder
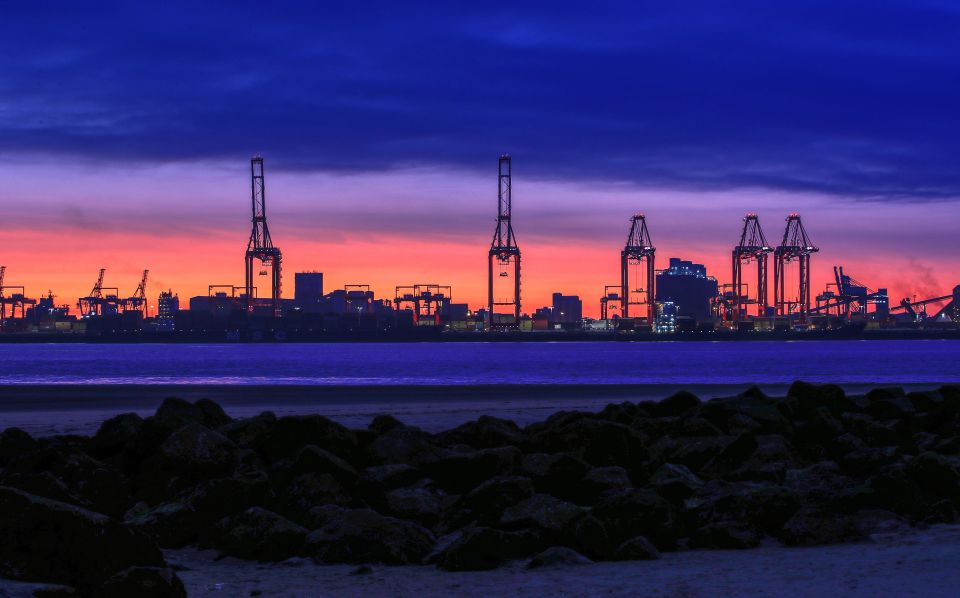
[(365, 536), (116, 435), (599, 480), (559, 557), (597, 441), (212, 413), (724, 412), (142, 582), (693, 452), (293, 432), (406, 445), (485, 432), (733, 456), (543, 512), (297, 496), (496, 494), (679, 403), (224, 497), (588, 535), (171, 525), (811, 397), (637, 549), (752, 505), (631, 513), (249, 432), (481, 548), (196, 452), (675, 482), (423, 504), (14, 443), (390, 476), (259, 534), (460, 472), (46, 540), (872, 432), (555, 474), (174, 413), (315, 460)]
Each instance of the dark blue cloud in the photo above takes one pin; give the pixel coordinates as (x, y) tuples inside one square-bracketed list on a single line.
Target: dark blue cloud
[(852, 98)]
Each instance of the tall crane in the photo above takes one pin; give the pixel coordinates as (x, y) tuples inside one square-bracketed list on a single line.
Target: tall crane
[(504, 254), (640, 254), (138, 302), (751, 248), (260, 247), (3, 304), (795, 246)]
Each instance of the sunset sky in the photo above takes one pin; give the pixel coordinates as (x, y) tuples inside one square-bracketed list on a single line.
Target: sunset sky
[(126, 134)]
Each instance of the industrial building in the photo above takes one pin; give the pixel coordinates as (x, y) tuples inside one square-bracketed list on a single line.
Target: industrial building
[(687, 286)]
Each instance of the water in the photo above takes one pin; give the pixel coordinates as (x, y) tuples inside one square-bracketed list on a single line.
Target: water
[(354, 382), (700, 363)]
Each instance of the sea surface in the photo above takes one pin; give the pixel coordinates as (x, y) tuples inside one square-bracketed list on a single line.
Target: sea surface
[(354, 381)]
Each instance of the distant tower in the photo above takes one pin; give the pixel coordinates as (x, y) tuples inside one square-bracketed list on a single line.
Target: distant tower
[(752, 246), (504, 252), (639, 252), (260, 246), (796, 245)]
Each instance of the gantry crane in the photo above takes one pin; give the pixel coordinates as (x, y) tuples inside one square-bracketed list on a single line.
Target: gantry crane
[(795, 246), (751, 248), (138, 302), (260, 247), (611, 301), (426, 300), (101, 301), (640, 254), (504, 254), (16, 299)]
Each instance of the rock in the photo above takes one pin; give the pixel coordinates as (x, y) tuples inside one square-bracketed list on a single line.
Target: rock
[(675, 482), (14, 442), (633, 513), (598, 442), (751, 505), (889, 404), (679, 403), (293, 432), (46, 540), (116, 435), (555, 474), (306, 491), (558, 556), (212, 413), (405, 445), (196, 452), (315, 460), (174, 413), (602, 479), (461, 472), (390, 476), (927, 401), (482, 548), (485, 432), (142, 582), (812, 526), (693, 452), (811, 397), (498, 493), (249, 432), (588, 535), (762, 410), (732, 457), (225, 497), (866, 460), (421, 504), (870, 431), (936, 475), (541, 511), (637, 549), (171, 525), (259, 534), (383, 423), (43, 484), (365, 536)]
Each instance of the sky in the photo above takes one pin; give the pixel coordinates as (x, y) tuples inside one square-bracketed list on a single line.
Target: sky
[(126, 131)]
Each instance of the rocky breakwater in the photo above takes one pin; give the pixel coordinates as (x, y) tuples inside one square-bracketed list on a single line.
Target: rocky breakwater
[(634, 480)]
